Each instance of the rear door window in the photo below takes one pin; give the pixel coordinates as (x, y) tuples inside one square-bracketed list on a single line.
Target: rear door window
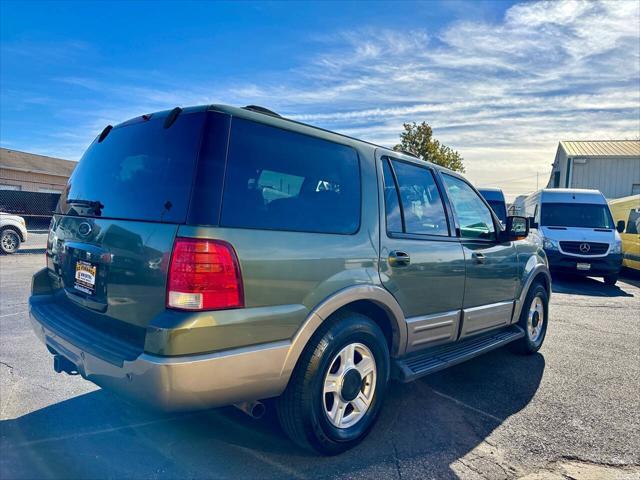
[(140, 171), (422, 208), (391, 201), (282, 180)]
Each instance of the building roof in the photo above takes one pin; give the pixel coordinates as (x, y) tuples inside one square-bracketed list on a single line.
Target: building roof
[(601, 148), (29, 162)]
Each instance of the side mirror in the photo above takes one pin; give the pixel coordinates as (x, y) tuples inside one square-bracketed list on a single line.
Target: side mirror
[(517, 229), (620, 226), (532, 222)]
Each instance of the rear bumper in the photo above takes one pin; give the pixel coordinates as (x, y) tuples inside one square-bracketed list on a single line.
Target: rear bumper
[(190, 382), (609, 265)]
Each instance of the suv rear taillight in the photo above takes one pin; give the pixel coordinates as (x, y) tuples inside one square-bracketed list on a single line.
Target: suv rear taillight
[(204, 275)]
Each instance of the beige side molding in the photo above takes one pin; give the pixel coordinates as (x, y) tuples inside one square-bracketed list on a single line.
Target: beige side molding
[(377, 295)]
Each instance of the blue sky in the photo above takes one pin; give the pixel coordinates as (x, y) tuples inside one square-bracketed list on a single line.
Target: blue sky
[(501, 82)]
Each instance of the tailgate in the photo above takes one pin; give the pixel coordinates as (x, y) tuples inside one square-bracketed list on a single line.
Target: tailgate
[(111, 268)]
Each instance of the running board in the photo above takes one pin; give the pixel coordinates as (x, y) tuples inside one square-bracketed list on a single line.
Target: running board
[(415, 366)]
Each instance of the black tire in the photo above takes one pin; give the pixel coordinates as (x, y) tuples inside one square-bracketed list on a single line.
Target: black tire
[(301, 408), (528, 345), (610, 280), (9, 241)]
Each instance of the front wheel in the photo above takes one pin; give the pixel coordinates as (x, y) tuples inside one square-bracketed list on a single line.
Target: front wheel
[(610, 279), (338, 386), (534, 319), (9, 241)]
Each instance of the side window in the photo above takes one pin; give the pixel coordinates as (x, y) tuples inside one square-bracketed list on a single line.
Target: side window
[(633, 223), (282, 180), (391, 204), (422, 207), (473, 215)]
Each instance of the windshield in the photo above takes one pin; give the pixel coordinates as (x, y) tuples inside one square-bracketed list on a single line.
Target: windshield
[(140, 171), (585, 215), (498, 207)]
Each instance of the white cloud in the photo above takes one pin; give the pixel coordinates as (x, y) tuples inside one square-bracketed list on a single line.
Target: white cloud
[(501, 93)]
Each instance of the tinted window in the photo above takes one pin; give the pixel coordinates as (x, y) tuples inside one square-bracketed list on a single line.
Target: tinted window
[(473, 215), (586, 215), (391, 204), (633, 223), (139, 171), (281, 180), (499, 208), (421, 203)]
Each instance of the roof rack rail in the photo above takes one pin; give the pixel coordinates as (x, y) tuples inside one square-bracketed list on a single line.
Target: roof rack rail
[(411, 154), (259, 109)]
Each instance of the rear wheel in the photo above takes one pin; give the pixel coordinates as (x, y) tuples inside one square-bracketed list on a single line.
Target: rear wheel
[(9, 241), (337, 389), (533, 320), (610, 279)]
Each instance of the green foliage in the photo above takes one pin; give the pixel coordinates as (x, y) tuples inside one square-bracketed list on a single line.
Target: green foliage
[(418, 139)]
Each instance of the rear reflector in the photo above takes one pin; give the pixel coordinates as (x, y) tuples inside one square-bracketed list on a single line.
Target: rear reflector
[(204, 275)]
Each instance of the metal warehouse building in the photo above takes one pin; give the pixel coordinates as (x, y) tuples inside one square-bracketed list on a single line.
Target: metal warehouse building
[(611, 166), (27, 172)]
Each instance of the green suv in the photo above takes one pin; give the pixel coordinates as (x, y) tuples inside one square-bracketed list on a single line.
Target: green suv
[(212, 256)]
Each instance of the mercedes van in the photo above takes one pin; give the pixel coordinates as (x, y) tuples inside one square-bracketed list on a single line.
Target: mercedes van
[(212, 256), (576, 229)]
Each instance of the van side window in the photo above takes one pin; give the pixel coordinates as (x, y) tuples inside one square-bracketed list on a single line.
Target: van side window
[(473, 215), (422, 207), (281, 180), (633, 223)]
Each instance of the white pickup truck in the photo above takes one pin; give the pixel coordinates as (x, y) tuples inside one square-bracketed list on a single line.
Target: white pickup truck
[(13, 232)]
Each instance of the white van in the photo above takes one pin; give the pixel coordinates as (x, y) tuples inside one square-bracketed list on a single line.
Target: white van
[(576, 229)]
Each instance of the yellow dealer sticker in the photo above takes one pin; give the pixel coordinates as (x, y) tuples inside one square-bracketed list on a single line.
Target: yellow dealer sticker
[(85, 277)]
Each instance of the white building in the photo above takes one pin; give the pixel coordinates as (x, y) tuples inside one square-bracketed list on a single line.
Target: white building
[(611, 166)]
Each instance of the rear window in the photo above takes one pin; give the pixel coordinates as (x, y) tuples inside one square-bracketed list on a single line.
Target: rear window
[(282, 180), (140, 171)]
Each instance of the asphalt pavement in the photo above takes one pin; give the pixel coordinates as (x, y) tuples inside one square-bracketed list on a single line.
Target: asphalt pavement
[(570, 411)]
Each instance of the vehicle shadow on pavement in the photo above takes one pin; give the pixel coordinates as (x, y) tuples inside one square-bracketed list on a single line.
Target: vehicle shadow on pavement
[(576, 285), (424, 427)]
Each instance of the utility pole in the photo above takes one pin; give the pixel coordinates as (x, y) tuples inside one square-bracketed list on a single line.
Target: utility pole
[(537, 186)]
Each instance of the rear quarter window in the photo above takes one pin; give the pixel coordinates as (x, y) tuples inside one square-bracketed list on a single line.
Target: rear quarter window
[(282, 180)]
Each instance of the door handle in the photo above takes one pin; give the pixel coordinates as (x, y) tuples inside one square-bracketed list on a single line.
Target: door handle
[(399, 259), (478, 257)]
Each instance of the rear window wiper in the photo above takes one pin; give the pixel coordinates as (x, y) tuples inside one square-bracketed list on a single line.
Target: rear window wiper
[(94, 205)]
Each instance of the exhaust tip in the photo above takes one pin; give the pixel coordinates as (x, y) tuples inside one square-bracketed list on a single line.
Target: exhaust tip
[(254, 409), (258, 410)]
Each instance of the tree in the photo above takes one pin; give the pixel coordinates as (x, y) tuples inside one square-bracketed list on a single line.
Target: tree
[(418, 139)]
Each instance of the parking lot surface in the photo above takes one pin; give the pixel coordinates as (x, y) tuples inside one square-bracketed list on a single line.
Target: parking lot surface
[(571, 411)]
